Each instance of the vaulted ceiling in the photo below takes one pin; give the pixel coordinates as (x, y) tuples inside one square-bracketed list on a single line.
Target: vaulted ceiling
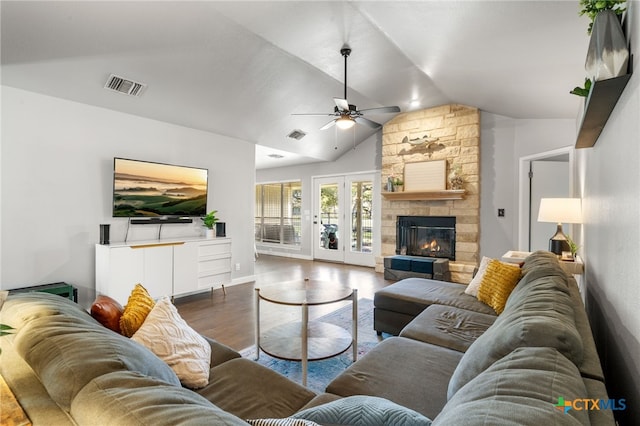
[(241, 68)]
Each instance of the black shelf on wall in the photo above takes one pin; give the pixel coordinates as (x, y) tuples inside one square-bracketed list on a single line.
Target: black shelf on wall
[(603, 96)]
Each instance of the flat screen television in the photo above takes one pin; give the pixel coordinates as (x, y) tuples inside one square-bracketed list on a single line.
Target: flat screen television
[(147, 189)]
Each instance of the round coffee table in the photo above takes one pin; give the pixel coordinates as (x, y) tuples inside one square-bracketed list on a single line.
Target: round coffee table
[(306, 341)]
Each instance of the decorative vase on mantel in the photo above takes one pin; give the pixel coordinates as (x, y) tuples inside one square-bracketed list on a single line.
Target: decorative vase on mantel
[(608, 54), (210, 232), (456, 181)]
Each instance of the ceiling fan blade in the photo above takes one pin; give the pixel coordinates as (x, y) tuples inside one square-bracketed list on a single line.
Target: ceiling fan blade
[(318, 114), (328, 125), (342, 104), (367, 122), (382, 110)]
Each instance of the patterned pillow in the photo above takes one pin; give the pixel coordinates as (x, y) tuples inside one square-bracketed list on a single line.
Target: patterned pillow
[(361, 410), (138, 307), (281, 422), (167, 335), (497, 284), (472, 288)]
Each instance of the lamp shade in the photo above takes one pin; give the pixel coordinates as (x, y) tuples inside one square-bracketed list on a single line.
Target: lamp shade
[(560, 210)]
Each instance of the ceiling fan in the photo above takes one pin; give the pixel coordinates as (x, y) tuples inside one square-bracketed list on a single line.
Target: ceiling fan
[(346, 114)]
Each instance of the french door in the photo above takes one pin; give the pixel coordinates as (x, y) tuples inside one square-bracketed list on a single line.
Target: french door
[(344, 219)]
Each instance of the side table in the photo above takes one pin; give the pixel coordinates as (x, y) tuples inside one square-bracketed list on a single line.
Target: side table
[(306, 340)]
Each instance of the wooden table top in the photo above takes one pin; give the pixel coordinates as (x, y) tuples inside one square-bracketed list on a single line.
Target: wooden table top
[(313, 292), (11, 413)]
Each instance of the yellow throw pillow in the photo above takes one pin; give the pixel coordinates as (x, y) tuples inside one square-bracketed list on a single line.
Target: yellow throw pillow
[(135, 312), (497, 284)]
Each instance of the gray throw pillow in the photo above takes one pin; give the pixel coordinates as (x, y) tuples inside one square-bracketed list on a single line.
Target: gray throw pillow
[(361, 410)]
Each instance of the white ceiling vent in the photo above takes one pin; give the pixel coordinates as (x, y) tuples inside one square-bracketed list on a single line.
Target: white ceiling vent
[(123, 85), (297, 134)]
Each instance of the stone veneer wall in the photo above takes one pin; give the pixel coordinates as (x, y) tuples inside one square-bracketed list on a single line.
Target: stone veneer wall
[(458, 129)]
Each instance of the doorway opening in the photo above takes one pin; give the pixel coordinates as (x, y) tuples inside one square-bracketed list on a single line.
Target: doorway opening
[(544, 175)]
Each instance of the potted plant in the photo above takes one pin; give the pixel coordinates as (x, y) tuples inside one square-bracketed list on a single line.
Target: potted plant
[(591, 8), (209, 222), (398, 185), (608, 54), (573, 247)]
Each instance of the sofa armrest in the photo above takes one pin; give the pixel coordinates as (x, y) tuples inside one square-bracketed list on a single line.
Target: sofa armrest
[(220, 352)]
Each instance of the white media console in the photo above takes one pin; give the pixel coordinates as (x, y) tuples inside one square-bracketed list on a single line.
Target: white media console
[(164, 267)]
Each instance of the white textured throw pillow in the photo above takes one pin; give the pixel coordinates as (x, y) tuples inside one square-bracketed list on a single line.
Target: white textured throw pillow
[(474, 285), (167, 335)]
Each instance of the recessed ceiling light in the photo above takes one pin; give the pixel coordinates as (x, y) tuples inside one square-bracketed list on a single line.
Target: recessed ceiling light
[(414, 103), (275, 156)]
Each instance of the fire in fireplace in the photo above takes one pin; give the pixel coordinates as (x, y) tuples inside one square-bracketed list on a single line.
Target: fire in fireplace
[(427, 236)]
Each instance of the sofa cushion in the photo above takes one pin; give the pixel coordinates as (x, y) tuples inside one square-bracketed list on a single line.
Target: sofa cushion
[(497, 284), (66, 348), (107, 311), (130, 398), (251, 391), (21, 308), (520, 389), (539, 313), (361, 410), (167, 335), (544, 262), (408, 372), (448, 326), (412, 296), (138, 307)]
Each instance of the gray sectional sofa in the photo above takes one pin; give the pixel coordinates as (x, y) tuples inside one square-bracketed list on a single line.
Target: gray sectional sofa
[(459, 363), (453, 362)]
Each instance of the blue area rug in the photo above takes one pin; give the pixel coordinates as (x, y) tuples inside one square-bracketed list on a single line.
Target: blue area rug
[(320, 373)]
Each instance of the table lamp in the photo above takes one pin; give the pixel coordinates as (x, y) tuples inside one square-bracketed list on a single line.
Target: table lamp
[(559, 210)]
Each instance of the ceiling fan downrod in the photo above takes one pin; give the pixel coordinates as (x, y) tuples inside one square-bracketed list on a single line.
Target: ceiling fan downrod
[(345, 52)]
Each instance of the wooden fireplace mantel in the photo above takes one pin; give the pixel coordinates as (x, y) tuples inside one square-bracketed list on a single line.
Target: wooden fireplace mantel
[(445, 194)]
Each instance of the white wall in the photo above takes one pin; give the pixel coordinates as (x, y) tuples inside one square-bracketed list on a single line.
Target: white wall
[(609, 183), (56, 183), (365, 157), (503, 141), (498, 186)]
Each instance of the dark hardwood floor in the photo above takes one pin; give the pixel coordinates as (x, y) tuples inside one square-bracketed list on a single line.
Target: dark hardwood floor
[(230, 318)]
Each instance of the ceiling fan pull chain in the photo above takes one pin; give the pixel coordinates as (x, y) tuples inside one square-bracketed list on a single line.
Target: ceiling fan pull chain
[(354, 138)]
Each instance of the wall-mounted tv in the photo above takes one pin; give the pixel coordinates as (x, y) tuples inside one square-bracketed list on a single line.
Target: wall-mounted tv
[(147, 189)]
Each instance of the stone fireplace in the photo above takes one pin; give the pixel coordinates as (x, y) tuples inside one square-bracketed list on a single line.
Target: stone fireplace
[(426, 236), (452, 134)]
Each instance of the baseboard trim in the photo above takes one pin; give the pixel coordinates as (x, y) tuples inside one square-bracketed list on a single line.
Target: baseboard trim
[(289, 255), (242, 280)]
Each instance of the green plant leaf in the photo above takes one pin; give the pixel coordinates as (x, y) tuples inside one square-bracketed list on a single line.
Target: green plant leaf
[(5, 329), (582, 91)]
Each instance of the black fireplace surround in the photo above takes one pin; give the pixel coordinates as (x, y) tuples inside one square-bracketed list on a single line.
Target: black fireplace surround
[(427, 236)]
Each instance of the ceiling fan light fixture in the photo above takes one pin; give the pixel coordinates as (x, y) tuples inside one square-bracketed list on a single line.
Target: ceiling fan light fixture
[(345, 122)]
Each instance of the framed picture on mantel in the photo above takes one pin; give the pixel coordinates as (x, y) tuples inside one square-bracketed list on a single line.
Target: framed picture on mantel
[(425, 176)]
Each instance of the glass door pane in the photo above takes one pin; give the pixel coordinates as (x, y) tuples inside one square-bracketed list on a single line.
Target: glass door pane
[(361, 216), (328, 217)]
